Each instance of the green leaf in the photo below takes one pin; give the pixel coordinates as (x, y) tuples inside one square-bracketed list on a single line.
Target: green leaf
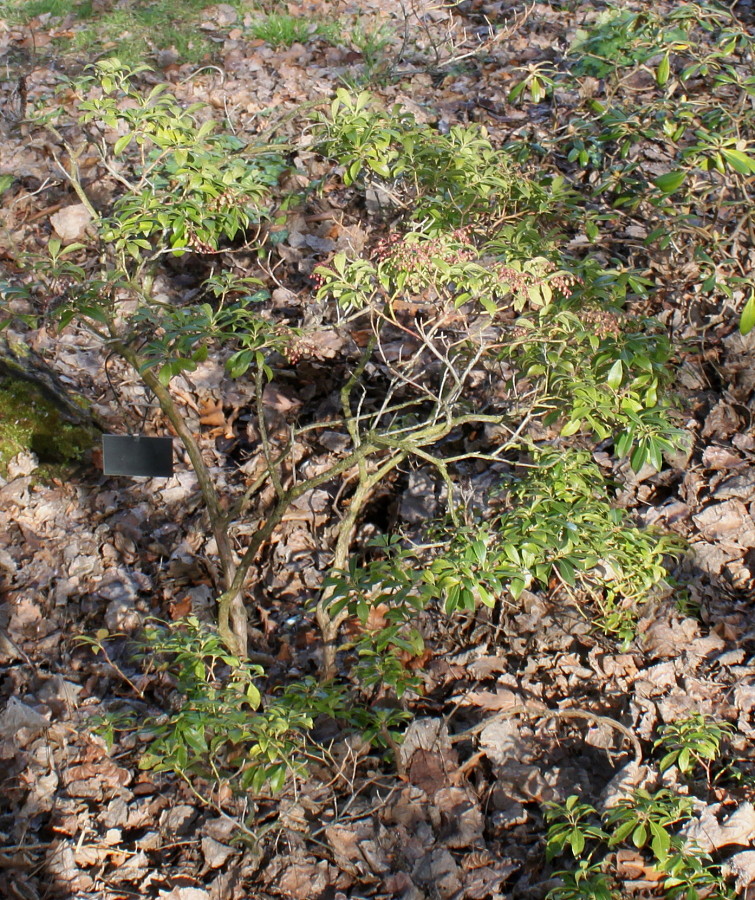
[(640, 836), (623, 443), (195, 740), (615, 375), (655, 454), (622, 833), (354, 169), (566, 571), (577, 842), (638, 457), (747, 320), (121, 144), (277, 778), (571, 427), (253, 696), (739, 161), (516, 91), (661, 842), (485, 596), (670, 182), (452, 598), (663, 71), (380, 167)]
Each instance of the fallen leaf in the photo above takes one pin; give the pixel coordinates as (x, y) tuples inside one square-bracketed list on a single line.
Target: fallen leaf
[(742, 867), (179, 609), (17, 716), (728, 521), (499, 700), (462, 822), (707, 833), (70, 223), (184, 893)]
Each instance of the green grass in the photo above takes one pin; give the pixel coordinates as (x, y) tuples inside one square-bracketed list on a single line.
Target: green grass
[(18, 11), (281, 30), (372, 42), (143, 27), (137, 31)]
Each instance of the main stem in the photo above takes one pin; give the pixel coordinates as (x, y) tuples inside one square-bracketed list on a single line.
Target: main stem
[(206, 486)]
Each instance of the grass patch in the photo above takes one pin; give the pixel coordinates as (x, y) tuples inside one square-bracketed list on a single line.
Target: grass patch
[(138, 32), (283, 30), (143, 27)]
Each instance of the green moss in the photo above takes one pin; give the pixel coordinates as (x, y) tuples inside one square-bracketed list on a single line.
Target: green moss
[(30, 421)]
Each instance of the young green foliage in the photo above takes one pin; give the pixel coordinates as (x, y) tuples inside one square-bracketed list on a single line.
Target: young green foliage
[(560, 524), (646, 818), (648, 822), (219, 728), (691, 742), (571, 824), (644, 821)]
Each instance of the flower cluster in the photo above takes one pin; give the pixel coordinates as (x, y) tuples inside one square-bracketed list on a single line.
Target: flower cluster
[(564, 283), (300, 348), (194, 242), (515, 281), (230, 197), (423, 260), (413, 256), (318, 279), (602, 321)]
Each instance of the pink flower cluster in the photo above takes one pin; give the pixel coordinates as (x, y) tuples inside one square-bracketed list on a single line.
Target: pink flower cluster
[(318, 279), (517, 282), (416, 256), (298, 348), (230, 197), (564, 283), (603, 321)]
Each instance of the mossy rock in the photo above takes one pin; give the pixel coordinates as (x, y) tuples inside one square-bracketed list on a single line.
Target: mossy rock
[(31, 420)]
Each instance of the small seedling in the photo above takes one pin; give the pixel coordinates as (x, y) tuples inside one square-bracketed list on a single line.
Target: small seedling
[(691, 742)]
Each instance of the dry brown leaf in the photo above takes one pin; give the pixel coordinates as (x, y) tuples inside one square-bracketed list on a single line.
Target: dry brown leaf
[(70, 223), (462, 821), (729, 522), (180, 608), (499, 700), (707, 833), (430, 771), (216, 421), (185, 893), (21, 722), (742, 867), (216, 854), (485, 666)]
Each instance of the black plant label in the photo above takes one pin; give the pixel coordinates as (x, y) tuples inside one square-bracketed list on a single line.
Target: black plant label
[(137, 455)]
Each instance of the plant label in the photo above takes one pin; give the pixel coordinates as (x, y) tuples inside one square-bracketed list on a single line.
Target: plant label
[(137, 455)]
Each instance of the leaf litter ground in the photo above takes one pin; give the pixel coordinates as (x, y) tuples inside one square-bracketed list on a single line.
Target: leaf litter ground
[(517, 709)]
